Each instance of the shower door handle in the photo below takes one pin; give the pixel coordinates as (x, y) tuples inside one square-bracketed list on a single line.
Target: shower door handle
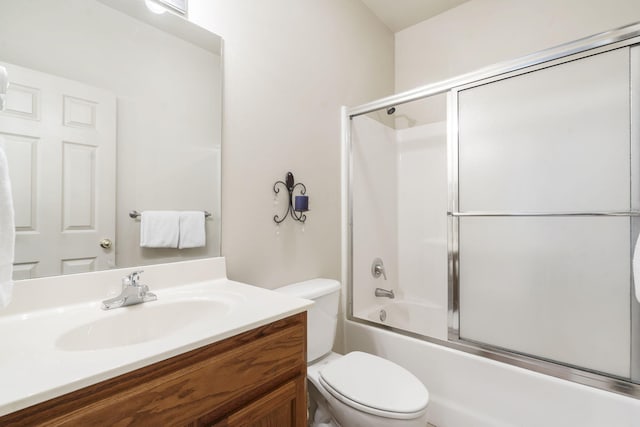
[(635, 268)]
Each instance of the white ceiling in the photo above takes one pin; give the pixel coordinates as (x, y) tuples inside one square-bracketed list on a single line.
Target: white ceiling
[(400, 14)]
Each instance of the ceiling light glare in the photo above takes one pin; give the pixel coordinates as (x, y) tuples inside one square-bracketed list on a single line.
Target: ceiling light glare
[(155, 7)]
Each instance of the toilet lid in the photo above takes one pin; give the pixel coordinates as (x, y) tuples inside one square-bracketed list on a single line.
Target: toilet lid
[(375, 383)]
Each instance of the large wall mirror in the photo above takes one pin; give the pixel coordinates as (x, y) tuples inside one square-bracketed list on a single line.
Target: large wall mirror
[(111, 109)]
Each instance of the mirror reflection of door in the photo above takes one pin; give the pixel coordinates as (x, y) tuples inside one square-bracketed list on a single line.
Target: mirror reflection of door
[(60, 140)]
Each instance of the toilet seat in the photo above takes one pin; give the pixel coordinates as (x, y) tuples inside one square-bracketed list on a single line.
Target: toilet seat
[(374, 385)]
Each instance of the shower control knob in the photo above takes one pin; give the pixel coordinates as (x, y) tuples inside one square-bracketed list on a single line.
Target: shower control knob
[(377, 268), (106, 243)]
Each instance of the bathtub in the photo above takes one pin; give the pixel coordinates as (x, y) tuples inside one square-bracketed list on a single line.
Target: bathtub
[(424, 319), (467, 390)]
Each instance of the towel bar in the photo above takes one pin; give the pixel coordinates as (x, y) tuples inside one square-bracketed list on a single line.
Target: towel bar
[(136, 214), (471, 214)]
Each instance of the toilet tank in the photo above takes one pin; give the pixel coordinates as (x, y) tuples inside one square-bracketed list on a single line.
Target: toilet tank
[(322, 317)]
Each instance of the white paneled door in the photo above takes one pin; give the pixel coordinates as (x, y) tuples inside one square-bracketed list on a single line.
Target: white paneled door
[(60, 139)]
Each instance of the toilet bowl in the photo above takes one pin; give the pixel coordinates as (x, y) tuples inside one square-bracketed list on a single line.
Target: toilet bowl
[(357, 389), (363, 390)]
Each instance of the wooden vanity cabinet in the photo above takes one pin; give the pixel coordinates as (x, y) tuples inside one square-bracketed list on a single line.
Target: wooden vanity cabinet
[(255, 379)]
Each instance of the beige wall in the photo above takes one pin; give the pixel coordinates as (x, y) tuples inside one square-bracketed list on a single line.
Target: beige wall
[(483, 32), (290, 64), (288, 67)]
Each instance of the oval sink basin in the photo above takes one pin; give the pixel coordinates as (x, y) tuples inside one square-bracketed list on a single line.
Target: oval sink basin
[(140, 323)]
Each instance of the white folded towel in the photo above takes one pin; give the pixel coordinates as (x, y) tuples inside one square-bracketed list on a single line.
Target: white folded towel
[(192, 230), (7, 231), (159, 229)]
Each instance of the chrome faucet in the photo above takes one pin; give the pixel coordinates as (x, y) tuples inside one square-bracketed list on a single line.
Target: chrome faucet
[(385, 293), (132, 293)]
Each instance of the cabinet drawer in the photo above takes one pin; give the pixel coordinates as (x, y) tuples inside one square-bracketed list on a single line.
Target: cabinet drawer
[(275, 409)]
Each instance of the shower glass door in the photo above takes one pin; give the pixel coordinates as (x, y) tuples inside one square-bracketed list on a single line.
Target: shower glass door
[(544, 213)]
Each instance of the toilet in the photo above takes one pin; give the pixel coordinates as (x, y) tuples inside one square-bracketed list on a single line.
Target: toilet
[(357, 389)]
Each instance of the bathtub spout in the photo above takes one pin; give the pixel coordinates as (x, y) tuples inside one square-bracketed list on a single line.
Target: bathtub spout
[(385, 293)]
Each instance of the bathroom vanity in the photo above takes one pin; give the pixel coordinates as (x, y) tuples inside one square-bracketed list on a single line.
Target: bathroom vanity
[(237, 356), (255, 378)]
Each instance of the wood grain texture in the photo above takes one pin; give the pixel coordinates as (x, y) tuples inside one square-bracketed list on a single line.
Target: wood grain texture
[(275, 409), (203, 385)]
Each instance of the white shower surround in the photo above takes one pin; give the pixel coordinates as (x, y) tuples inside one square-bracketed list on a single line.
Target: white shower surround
[(417, 317), (399, 201), (400, 188), (422, 206)]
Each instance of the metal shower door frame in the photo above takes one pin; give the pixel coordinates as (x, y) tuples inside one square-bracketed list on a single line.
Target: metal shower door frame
[(454, 214), (625, 36), (634, 52)]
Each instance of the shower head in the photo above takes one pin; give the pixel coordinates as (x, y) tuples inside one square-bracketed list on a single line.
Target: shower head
[(391, 110)]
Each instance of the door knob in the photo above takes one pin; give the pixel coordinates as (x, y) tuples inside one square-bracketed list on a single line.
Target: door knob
[(106, 243)]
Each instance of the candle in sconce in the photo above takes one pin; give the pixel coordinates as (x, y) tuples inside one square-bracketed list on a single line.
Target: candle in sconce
[(302, 204)]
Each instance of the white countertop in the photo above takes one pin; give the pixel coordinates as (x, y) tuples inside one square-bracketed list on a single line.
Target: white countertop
[(37, 364)]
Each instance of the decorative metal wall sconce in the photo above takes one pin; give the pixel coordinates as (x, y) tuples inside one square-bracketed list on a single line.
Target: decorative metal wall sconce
[(301, 201)]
